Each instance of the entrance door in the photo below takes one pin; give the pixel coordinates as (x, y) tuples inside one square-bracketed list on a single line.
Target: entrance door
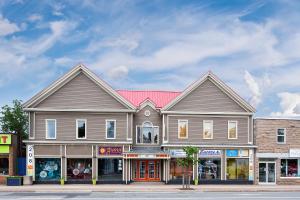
[(146, 170), (267, 172)]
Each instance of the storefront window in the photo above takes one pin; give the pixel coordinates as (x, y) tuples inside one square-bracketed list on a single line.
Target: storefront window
[(209, 169), (238, 168), (176, 170), (289, 168), (47, 169), (110, 169), (79, 169), (4, 166)]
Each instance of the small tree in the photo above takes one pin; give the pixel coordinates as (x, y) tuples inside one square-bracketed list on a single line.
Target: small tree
[(189, 160), (15, 120)]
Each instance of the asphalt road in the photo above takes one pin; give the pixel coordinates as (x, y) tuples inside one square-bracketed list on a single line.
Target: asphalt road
[(191, 195)]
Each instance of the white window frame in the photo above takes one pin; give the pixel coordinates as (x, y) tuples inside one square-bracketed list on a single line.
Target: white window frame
[(236, 122), (142, 142), (84, 130), (115, 128), (212, 129), (46, 123), (187, 128), (284, 142)]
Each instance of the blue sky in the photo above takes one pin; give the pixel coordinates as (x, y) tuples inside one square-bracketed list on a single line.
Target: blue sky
[(254, 46)]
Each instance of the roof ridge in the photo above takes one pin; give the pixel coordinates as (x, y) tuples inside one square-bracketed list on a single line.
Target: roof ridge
[(148, 90)]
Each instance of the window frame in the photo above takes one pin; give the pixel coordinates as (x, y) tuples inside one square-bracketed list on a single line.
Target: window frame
[(85, 121), (236, 130), (46, 123), (286, 168), (106, 129), (187, 128), (284, 136), (212, 129), (141, 139)]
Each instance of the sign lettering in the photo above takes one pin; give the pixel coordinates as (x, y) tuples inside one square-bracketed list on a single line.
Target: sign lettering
[(30, 157), (110, 150)]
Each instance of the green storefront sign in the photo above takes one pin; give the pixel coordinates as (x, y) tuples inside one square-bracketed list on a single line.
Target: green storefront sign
[(5, 141)]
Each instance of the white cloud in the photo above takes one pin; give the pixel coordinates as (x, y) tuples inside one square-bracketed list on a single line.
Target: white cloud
[(289, 103), (35, 17), (254, 88), (6, 27), (119, 72)]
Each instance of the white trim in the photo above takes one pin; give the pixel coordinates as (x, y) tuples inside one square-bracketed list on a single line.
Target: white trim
[(85, 121), (144, 144), (33, 125), (236, 130), (79, 110), (208, 146), (115, 128), (267, 174), (74, 142), (277, 118), (72, 74), (212, 129), (284, 129), (187, 128), (46, 124), (272, 155), (203, 116), (205, 113), (163, 129), (127, 126), (147, 102), (221, 85)]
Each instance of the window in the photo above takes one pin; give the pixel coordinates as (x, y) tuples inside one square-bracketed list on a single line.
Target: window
[(147, 134), (4, 166), (290, 168), (232, 129), (79, 169), (110, 169), (182, 129), (50, 128), (209, 168), (110, 129), (237, 168), (281, 135), (81, 129), (207, 129), (47, 169)]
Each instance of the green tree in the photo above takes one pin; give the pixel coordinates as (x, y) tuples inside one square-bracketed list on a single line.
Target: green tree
[(189, 160), (14, 120)]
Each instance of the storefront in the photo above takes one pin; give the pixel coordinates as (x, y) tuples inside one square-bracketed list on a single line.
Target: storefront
[(176, 170), (8, 159), (210, 165), (47, 169)]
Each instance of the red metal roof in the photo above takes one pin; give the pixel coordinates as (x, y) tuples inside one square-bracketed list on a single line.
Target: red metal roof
[(160, 98)]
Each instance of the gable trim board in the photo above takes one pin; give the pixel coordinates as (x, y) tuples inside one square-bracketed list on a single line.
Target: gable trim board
[(38, 98), (79, 110), (218, 83)]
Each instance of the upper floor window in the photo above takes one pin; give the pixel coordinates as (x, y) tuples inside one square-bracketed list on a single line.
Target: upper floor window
[(50, 128), (182, 129), (110, 129), (232, 130), (81, 129), (281, 134), (207, 129), (147, 134)]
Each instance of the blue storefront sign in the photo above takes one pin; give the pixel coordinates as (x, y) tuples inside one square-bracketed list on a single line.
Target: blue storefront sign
[(232, 152)]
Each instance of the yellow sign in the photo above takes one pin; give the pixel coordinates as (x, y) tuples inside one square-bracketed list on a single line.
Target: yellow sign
[(5, 139), (4, 149)]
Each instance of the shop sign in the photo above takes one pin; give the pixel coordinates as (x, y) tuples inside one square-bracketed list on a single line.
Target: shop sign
[(4, 149), (110, 151), (177, 153), (232, 152), (251, 165), (294, 153), (30, 157), (209, 153), (5, 139)]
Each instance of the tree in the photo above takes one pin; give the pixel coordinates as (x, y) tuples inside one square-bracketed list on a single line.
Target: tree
[(189, 160), (15, 120)]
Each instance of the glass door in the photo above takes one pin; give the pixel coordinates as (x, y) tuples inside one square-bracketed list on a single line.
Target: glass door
[(267, 172), (146, 170), (262, 172), (271, 173)]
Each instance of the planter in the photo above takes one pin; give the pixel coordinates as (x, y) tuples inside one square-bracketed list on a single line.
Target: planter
[(196, 181), (14, 181), (94, 181)]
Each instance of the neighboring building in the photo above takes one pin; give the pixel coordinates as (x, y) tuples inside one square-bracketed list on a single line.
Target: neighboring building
[(81, 129), (278, 151), (8, 156)]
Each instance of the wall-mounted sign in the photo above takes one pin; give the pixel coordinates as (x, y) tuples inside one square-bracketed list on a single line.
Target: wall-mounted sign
[(177, 153), (110, 151), (4, 149), (232, 152), (5, 139), (209, 153), (151, 156), (294, 153), (30, 160), (251, 165)]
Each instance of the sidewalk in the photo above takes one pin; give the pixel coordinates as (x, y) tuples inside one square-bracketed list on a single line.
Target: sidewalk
[(150, 188)]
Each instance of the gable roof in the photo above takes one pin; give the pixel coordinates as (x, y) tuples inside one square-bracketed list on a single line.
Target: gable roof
[(220, 84), (39, 97), (159, 98)]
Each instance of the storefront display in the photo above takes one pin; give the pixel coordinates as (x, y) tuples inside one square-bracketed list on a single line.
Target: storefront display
[(237, 168), (110, 169), (209, 169), (47, 169), (79, 169), (176, 170), (289, 168), (4, 166)]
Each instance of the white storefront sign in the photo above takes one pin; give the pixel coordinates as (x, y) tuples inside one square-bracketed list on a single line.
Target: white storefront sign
[(251, 165), (210, 153), (295, 153), (30, 160), (177, 153)]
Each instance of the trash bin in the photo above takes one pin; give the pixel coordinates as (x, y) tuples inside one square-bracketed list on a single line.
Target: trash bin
[(27, 180)]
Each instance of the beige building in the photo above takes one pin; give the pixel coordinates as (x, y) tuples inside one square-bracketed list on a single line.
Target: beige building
[(278, 151)]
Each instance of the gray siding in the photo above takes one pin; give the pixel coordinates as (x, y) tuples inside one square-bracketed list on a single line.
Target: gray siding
[(66, 125), (31, 127), (79, 150), (220, 130), (47, 150), (140, 118), (81, 92), (207, 98)]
